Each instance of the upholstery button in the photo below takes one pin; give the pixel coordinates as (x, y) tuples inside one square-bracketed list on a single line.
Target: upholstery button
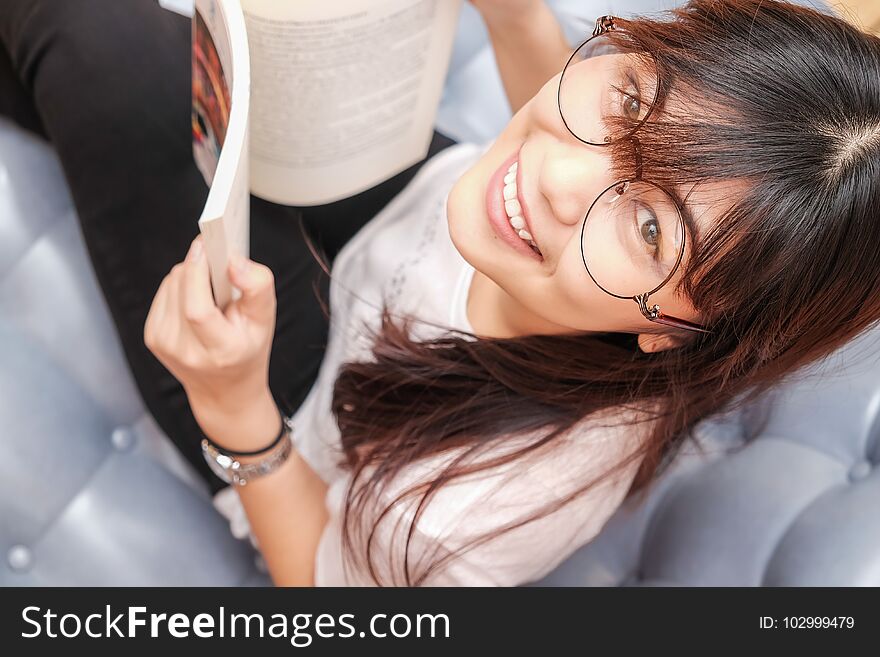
[(860, 470), (122, 439), (19, 558)]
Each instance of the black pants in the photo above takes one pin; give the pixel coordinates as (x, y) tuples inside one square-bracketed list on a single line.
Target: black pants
[(108, 83)]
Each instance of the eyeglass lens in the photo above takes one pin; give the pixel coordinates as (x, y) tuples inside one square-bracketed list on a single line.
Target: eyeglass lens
[(632, 238), (605, 93)]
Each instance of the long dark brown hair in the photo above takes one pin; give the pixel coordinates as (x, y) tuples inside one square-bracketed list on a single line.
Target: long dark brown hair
[(781, 98)]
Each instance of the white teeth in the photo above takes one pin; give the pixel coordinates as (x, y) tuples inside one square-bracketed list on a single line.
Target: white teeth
[(513, 208)]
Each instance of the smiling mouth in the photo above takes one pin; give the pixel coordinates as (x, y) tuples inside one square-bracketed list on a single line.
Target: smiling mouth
[(513, 208)]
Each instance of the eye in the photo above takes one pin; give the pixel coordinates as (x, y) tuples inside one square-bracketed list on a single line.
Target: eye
[(650, 232), (632, 104), (648, 226), (632, 107)]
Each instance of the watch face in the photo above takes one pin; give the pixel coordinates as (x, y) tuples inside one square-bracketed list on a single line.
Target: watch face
[(217, 469)]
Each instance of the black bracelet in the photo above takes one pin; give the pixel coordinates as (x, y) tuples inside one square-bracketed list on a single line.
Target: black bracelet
[(255, 452)]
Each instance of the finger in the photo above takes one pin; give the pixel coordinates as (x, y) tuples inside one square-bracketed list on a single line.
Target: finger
[(156, 315), (257, 285), (199, 311), (172, 324)]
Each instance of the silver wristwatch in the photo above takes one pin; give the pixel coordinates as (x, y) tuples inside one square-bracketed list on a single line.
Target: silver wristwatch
[(226, 465)]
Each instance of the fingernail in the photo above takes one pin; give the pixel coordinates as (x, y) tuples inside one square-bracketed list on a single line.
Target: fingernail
[(240, 264), (195, 251)]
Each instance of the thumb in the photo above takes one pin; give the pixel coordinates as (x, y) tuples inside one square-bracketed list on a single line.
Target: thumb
[(257, 285)]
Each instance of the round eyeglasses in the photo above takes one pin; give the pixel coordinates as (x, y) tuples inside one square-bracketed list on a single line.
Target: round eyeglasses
[(605, 94)]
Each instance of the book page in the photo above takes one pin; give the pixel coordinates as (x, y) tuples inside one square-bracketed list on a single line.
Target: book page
[(220, 88), (343, 94)]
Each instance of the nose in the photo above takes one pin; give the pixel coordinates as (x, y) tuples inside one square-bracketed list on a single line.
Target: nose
[(572, 176)]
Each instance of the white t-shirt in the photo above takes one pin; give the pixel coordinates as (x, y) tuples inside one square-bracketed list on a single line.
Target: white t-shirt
[(406, 254)]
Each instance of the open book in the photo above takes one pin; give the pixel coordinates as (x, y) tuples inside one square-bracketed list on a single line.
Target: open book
[(304, 102)]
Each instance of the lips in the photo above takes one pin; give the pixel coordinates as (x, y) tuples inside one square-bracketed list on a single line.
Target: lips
[(497, 214)]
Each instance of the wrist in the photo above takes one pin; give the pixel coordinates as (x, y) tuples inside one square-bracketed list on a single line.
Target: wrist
[(245, 424)]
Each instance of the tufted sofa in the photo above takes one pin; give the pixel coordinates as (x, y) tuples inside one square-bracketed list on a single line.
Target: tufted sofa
[(92, 493), (795, 505)]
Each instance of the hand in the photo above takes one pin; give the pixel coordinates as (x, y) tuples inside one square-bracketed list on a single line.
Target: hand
[(220, 358)]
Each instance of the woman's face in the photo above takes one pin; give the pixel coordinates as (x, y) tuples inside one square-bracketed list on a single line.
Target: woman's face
[(557, 178)]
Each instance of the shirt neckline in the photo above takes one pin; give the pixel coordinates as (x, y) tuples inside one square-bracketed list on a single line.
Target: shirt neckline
[(458, 308)]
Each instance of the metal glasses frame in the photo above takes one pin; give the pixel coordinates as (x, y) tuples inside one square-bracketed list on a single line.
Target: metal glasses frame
[(604, 25)]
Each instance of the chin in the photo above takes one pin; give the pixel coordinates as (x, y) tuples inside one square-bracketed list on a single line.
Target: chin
[(464, 212)]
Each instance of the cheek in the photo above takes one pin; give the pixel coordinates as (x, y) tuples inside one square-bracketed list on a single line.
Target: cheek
[(542, 111), (465, 205), (570, 298), (579, 302)]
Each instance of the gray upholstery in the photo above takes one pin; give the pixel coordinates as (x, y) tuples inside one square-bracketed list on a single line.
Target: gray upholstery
[(91, 492), (794, 506)]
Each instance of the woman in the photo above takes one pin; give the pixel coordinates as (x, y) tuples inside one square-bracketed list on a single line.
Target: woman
[(678, 219)]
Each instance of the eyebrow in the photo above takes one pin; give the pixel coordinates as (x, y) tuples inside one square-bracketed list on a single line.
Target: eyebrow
[(690, 222)]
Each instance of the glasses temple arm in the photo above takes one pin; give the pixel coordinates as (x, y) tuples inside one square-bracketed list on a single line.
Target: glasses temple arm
[(653, 313)]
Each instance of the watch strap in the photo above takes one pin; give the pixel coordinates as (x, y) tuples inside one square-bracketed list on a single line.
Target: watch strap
[(226, 463)]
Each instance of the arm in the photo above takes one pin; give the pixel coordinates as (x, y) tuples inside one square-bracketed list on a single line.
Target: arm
[(285, 509), (530, 46), (221, 358)]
